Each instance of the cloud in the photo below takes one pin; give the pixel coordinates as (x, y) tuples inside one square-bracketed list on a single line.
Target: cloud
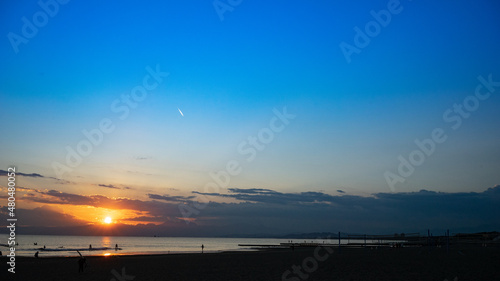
[(268, 211), (340, 191), (143, 157), (381, 212), (274, 197), (57, 197), (44, 216), (252, 191), (54, 197), (32, 175), (109, 186), (138, 173), (183, 199)]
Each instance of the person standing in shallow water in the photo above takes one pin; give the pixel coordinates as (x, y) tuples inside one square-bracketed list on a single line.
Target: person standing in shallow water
[(202, 247)]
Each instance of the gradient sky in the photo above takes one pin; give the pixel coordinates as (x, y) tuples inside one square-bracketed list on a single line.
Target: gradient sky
[(228, 74)]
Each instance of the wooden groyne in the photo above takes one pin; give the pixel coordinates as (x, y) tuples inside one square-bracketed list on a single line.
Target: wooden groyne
[(395, 240)]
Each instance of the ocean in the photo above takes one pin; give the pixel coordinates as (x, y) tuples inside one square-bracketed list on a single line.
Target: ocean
[(66, 246)]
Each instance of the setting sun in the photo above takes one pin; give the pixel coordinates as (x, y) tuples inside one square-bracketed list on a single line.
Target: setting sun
[(107, 220)]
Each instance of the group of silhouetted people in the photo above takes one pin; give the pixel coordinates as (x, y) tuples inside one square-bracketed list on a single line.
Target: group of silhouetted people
[(82, 261)]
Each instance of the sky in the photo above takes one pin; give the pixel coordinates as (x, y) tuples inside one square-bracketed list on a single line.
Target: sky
[(194, 118)]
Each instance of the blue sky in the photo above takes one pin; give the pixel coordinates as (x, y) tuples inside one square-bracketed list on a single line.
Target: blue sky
[(352, 119)]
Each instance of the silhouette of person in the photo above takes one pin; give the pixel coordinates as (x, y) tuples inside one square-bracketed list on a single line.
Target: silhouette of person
[(44, 246), (90, 247), (202, 247), (116, 247), (36, 254), (0, 253), (82, 262)]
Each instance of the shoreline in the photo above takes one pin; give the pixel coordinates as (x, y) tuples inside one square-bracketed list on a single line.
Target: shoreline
[(132, 254)]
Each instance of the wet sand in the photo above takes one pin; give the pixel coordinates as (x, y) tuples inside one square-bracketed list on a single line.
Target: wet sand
[(465, 263)]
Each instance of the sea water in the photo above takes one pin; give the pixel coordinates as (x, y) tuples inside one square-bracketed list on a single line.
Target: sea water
[(52, 245)]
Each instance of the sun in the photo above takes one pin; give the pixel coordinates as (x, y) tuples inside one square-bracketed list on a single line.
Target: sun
[(108, 220)]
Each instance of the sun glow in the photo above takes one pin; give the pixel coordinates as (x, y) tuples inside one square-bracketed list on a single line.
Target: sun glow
[(108, 220)]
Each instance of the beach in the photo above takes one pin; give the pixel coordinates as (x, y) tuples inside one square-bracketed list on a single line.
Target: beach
[(465, 263)]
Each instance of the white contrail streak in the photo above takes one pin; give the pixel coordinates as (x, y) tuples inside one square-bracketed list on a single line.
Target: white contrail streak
[(180, 112)]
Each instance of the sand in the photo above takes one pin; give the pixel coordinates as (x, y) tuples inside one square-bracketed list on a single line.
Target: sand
[(465, 263)]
